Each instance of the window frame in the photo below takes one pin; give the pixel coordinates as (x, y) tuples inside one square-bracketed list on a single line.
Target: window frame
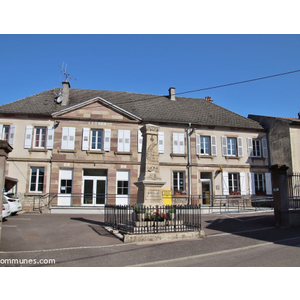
[(231, 148), (36, 182), (178, 187), (256, 147), (41, 142), (234, 189), (203, 144), (97, 139)]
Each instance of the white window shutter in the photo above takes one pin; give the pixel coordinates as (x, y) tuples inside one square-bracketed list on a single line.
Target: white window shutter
[(64, 138), (198, 144), (161, 143), (243, 183), (213, 141), (251, 183), (140, 141), (1, 131), (50, 137), (265, 147), (181, 143), (11, 138), (268, 183), (85, 139), (240, 146), (250, 147), (28, 136), (107, 135), (175, 142), (71, 141), (224, 145), (126, 140), (120, 140), (225, 183)]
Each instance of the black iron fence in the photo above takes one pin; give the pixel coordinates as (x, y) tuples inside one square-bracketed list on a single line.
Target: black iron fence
[(293, 187), (157, 219)]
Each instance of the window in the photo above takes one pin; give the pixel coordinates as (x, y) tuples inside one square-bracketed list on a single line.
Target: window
[(122, 187), (256, 148), (232, 146), (205, 145), (96, 140), (259, 182), (39, 137), (178, 182), (234, 183), (42, 137), (178, 143), (66, 186), (7, 133), (37, 179)]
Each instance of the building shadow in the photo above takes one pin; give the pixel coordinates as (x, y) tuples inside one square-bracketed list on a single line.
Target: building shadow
[(258, 227)]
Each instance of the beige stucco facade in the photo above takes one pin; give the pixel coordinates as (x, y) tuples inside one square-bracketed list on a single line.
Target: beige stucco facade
[(71, 155)]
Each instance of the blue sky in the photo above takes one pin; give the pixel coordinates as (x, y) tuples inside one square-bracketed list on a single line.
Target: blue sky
[(151, 63)]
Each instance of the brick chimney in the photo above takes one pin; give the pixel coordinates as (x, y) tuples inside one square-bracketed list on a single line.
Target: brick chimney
[(172, 93), (65, 93), (208, 99)]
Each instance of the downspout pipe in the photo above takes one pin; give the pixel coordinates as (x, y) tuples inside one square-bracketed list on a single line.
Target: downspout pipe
[(188, 138)]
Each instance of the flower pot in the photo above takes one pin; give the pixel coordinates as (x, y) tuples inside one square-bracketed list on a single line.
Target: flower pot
[(140, 216)]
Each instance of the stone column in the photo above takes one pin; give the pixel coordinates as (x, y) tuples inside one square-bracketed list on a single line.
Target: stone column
[(149, 182), (5, 148), (280, 195)]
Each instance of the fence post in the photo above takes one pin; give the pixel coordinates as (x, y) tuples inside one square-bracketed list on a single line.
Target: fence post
[(280, 195)]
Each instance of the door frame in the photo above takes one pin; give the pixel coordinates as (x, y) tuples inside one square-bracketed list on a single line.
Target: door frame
[(94, 179), (207, 180)]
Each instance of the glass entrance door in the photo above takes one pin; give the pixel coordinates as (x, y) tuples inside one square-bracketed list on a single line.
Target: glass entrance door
[(206, 191), (94, 188)]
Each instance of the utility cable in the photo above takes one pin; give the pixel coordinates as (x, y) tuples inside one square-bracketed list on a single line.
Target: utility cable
[(214, 87)]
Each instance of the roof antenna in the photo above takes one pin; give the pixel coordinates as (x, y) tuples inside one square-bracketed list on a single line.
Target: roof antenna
[(63, 70)]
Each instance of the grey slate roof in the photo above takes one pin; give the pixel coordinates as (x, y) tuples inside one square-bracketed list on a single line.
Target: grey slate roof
[(150, 108)]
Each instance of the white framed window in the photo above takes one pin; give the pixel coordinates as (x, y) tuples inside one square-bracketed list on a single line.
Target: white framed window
[(37, 179), (232, 146), (96, 139), (178, 143), (206, 145), (123, 140), (39, 137), (7, 133), (178, 181), (234, 183), (256, 148)]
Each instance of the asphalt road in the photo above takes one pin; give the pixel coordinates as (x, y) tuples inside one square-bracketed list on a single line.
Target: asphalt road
[(232, 240)]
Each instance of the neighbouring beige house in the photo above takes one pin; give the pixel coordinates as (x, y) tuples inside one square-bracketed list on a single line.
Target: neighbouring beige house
[(83, 147)]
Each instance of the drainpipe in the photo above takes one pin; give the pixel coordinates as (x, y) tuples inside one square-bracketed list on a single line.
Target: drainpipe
[(188, 138)]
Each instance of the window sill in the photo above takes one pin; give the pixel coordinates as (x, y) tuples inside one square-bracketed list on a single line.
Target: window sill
[(122, 153), (95, 152), (66, 151), (37, 150), (205, 156), (178, 155), (233, 157)]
